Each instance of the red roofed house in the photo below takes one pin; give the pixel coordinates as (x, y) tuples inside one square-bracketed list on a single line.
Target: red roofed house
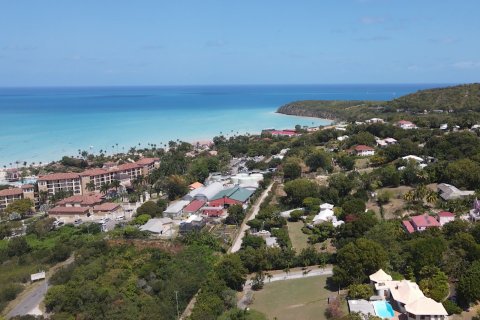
[(282, 133), (404, 124), (445, 217), (212, 211), (420, 223), (194, 206), (408, 226), (69, 211), (107, 208), (363, 150)]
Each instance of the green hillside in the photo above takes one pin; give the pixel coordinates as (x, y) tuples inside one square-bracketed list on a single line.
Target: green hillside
[(459, 99)]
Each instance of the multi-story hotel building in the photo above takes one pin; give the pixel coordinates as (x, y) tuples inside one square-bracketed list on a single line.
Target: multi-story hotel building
[(7, 196), (77, 182), (55, 182)]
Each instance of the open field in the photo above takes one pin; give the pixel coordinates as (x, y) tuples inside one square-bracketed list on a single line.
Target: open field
[(396, 201), (293, 299), (298, 238)]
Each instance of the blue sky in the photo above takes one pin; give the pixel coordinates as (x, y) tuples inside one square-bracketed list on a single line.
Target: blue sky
[(121, 42)]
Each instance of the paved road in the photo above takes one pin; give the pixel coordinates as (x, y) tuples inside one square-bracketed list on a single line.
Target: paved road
[(244, 227), (30, 301), (313, 272)]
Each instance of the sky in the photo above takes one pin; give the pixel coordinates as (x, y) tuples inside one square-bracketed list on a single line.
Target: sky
[(202, 42)]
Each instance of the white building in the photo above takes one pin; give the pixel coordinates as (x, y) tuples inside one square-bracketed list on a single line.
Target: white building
[(409, 298), (406, 125)]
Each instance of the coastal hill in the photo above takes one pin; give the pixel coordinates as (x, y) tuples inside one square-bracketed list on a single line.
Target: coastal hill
[(461, 98)]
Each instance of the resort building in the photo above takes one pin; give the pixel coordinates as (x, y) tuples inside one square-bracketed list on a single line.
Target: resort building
[(77, 182), (56, 182), (326, 214), (407, 297), (281, 133), (8, 196), (363, 150), (84, 206)]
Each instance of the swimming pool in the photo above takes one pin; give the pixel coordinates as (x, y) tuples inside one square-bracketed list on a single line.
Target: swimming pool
[(383, 309)]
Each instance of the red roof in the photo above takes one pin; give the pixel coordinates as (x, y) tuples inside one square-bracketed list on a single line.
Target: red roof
[(86, 200), (146, 161), (404, 122), (194, 206), (59, 176), (69, 210), (27, 186), (362, 147), (424, 221), (11, 192), (408, 226), (108, 206), (94, 172), (212, 211), (127, 166), (446, 214)]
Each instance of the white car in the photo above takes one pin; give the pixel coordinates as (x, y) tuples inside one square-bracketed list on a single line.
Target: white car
[(120, 218)]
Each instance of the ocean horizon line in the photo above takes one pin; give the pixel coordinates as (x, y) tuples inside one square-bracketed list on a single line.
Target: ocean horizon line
[(226, 85)]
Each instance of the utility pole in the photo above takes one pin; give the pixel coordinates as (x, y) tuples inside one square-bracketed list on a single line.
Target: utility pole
[(176, 298)]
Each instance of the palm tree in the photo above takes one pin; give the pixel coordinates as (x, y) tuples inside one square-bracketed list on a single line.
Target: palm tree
[(90, 186), (115, 184), (409, 196), (432, 197), (420, 192), (104, 188)]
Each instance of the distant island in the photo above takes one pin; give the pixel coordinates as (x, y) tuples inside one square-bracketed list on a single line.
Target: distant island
[(460, 99)]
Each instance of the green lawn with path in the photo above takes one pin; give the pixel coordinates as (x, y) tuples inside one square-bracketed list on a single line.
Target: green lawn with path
[(304, 299), (298, 238)]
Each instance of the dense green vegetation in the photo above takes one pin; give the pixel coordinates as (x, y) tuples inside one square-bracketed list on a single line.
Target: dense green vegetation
[(463, 100)]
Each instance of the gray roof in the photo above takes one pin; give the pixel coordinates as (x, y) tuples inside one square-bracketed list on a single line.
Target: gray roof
[(361, 306), (176, 207), (205, 192), (449, 192), (156, 225)]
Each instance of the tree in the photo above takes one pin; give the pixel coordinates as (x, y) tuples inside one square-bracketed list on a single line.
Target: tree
[(360, 291), (231, 270), (175, 187), (357, 260), (299, 189), (468, 288), (319, 159), (292, 169), (104, 187), (150, 208), (258, 281), (22, 207), (236, 214), (354, 206), (434, 283), (90, 186), (17, 247)]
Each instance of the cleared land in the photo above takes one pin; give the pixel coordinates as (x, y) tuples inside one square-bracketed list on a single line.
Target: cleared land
[(298, 238), (304, 299)]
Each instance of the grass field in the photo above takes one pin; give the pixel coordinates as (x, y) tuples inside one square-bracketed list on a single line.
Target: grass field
[(298, 238), (304, 299)]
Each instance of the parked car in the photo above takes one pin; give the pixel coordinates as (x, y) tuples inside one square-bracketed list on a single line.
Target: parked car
[(77, 221), (120, 218)]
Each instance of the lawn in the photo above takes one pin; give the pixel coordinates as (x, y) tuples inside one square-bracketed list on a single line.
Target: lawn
[(293, 299), (298, 238)]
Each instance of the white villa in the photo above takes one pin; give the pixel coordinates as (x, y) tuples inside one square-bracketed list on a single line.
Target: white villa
[(326, 214), (408, 297)]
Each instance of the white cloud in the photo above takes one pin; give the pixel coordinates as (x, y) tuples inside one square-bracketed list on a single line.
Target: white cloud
[(466, 64)]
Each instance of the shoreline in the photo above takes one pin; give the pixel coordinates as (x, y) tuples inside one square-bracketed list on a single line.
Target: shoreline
[(144, 144)]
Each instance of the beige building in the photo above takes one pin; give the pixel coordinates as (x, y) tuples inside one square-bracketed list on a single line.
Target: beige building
[(55, 182), (7, 196)]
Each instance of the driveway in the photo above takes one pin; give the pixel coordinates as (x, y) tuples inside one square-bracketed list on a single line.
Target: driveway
[(244, 227)]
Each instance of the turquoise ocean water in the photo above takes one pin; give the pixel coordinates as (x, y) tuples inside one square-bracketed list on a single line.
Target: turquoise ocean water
[(43, 124)]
